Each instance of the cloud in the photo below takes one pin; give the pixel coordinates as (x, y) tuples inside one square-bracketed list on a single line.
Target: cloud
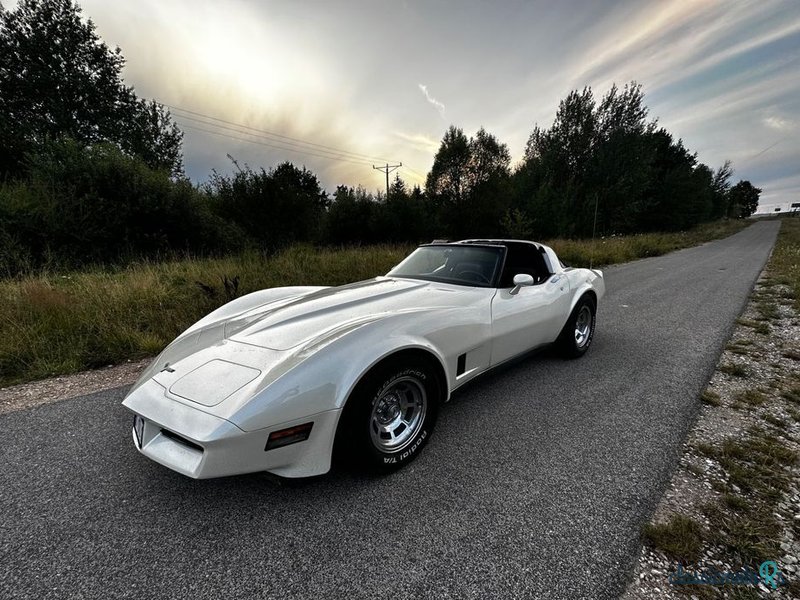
[(671, 41), (790, 183), (779, 123), (779, 193), (420, 141), (736, 96), (439, 106), (627, 41)]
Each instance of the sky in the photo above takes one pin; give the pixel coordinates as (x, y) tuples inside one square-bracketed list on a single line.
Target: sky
[(370, 82)]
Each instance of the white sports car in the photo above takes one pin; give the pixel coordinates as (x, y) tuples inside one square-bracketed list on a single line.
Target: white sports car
[(285, 379)]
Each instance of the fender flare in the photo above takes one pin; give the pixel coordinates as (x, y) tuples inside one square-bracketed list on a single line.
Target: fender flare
[(583, 289), (408, 344)]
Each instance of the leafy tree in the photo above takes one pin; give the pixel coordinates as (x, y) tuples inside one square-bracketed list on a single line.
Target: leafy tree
[(81, 205), (276, 207), (534, 198), (490, 177), (518, 224), (594, 154), (611, 155), (299, 193), (398, 189), (402, 216), (743, 199), (720, 188), (488, 159), (351, 216), (700, 202), (150, 133), (447, 179), (670, 185), (59, 79), (421, 224), (558, 159), (564, 149), (620, 168), (623, 111), (468, 184)]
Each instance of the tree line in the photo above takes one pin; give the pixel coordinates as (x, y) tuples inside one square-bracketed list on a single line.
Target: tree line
[(91, 173)]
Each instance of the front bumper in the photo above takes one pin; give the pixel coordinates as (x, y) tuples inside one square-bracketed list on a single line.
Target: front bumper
[(200, 445)]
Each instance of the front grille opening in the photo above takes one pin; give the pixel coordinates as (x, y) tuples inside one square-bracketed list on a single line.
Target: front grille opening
[(181, 440)]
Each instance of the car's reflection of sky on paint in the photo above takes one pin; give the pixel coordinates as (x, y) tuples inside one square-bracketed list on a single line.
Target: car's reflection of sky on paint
[(385, 79)]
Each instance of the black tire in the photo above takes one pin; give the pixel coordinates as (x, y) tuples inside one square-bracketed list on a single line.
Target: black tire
[(393, 393), (578, 333)]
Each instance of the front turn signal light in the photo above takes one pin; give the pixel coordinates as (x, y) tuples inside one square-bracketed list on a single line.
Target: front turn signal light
[(290, 435)]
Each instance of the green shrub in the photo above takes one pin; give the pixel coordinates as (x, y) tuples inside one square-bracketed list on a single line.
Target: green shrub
[(97, 205)]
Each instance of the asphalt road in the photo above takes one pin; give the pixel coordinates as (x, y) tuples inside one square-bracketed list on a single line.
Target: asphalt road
[(534, 485)]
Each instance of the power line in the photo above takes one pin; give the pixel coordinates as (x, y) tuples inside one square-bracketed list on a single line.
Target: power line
[(417, 173), (264, 137), (262, 143), (259, 136), (296, 145), (411, 177), (266, 141), (413, 172), (265, 132), (767, 148)]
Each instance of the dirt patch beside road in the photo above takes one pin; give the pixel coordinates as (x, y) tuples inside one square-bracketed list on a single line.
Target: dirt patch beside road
[(27, 395)]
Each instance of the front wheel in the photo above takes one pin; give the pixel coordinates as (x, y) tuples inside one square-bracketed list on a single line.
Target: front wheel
[(577, 335), (390, 416)]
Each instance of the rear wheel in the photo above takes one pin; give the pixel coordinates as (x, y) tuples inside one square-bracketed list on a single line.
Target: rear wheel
[(390, 416), (577, 335)]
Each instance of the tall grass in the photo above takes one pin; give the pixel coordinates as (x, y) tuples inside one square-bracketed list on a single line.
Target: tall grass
[(52, 324), (617, 249), (785, 261)]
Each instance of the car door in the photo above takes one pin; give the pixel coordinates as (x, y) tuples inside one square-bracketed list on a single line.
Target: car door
[(530, 318)]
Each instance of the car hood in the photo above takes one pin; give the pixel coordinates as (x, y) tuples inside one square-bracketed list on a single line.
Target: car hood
[(286, 324), (222, 363)]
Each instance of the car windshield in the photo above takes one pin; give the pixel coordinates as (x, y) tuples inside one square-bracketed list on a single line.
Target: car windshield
[(476, 266)]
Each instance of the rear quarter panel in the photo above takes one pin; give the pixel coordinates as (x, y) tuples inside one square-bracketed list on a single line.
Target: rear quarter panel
[(582, 281)]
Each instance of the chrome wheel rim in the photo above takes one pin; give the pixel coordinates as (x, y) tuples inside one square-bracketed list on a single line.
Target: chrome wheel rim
[(397, 414), (583, 326)]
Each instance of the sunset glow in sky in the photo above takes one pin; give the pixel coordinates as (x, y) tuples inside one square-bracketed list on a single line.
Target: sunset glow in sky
[(383, 80)]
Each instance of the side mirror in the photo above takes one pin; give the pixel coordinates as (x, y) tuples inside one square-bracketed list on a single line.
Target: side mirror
[(520, 280)]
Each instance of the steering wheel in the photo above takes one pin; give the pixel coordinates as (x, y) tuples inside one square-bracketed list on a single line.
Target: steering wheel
[(474, 275)]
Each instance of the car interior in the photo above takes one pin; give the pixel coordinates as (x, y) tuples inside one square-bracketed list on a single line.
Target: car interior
[(480, 272), (477, 266), (523, 259)]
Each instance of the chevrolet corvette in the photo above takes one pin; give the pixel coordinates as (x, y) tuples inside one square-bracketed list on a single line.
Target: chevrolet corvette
[(285, 380)]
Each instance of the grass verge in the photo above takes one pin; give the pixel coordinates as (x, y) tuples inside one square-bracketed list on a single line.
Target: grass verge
[(740, 502), (617, 249), (54, 324)]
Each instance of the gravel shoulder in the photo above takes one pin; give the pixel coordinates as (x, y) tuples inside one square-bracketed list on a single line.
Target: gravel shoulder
[(733, 501), (46, 391)]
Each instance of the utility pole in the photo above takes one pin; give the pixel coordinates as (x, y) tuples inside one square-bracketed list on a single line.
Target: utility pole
[(387, 169)]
